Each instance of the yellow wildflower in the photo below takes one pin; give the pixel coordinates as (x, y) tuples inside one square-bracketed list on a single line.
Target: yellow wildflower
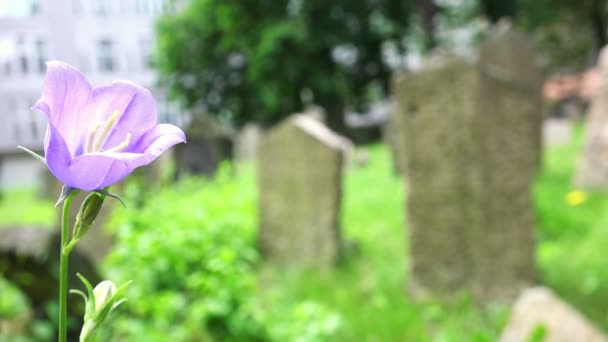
[(576, 197)]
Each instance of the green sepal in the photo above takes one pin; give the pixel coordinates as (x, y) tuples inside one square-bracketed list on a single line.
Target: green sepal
[(65, 192), (105, 192), (32, 153)]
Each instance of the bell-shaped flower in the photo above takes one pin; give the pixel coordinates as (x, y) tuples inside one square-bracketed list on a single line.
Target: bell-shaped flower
[(97, 136)]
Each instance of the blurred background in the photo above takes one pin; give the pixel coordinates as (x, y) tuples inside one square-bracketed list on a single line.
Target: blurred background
[(361, 170)]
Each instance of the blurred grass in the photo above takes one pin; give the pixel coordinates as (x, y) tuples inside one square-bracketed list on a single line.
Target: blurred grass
[(368, 290), (572, 254), (23, 208)]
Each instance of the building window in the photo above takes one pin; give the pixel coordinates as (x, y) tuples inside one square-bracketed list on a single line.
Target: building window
[(7, 68), (41, 55), (21, 57), (141, 7), (102, 7), (16, 131), (106, 56)]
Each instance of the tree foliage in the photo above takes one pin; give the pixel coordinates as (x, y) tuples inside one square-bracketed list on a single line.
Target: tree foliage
[(264, 59), (569, 33)]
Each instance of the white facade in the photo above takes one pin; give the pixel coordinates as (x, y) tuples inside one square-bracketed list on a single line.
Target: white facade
[(105, 39)]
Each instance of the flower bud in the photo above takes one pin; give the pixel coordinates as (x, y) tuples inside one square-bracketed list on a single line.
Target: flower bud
[(99, 302), (88, 213), (104, 293)]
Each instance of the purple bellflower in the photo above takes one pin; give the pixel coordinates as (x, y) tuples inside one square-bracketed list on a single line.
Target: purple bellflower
[(97, 136)]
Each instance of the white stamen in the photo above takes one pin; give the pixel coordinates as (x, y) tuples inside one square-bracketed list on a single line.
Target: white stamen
[(122, 145), (91, 137), (105, 131)]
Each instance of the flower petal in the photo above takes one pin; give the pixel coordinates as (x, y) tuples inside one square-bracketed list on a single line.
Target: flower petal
[(135, 105), (65, 94), (166, 131), (97, 170), (57, 154)]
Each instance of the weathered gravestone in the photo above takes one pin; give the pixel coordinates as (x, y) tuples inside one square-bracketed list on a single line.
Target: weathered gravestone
[(557, 131), (300, 187), (392, 136), (208, 144), (539, 312), (472, 140), (247, 141), (592, 170)]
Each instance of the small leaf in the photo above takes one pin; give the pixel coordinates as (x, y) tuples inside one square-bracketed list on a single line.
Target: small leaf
[(89, 289)]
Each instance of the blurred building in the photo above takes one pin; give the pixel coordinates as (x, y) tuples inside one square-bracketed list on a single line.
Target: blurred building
[(105, 39)]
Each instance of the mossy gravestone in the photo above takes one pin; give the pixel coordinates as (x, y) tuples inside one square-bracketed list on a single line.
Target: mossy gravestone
[(472, 139), (592, 170), (300, 188)]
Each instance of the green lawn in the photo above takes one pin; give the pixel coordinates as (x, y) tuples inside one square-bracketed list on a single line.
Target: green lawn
[(23, 208), (367, 291)]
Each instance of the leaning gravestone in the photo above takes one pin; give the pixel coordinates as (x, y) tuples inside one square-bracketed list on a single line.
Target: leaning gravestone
[(540, 312), (300, 187), (592, 170), (471, 134)]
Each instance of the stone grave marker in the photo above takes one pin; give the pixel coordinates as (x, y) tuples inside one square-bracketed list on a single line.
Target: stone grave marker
[(300, 165), (509, 115), (208, 144), (247, 141), (557, 131), (539, 309), (471, 134), (592, 168), (392, 136)]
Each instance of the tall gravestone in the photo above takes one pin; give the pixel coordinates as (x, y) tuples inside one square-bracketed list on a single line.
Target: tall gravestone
[(471, 134), (592, 170), (300, 187)]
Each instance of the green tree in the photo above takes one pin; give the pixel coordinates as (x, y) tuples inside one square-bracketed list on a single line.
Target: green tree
[(569, 33), (262, 60)]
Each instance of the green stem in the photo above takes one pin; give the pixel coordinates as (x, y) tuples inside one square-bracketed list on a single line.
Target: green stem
[(63, 269)]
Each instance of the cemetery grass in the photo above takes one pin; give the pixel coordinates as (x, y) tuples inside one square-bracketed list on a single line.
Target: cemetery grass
[(21, 207), (572, 255), (368, 289)]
